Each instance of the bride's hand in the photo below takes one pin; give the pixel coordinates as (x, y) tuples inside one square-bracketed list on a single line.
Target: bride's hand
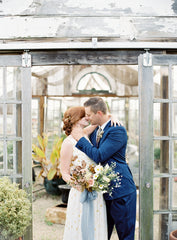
[(115, 121), (89, 129)]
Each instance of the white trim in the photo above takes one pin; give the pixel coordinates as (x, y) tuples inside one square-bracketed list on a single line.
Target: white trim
[(88, 45)]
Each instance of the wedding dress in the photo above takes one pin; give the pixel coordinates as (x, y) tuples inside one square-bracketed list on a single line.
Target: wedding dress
[(72, 229)]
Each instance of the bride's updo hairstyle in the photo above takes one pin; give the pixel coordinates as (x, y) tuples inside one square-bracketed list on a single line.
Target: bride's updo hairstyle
[(71, 117)]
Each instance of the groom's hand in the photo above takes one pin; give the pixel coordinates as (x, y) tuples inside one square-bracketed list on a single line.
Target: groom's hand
[(77, 133)]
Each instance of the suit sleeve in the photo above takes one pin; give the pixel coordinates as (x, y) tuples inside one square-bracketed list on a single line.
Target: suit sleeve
[(115, 139)]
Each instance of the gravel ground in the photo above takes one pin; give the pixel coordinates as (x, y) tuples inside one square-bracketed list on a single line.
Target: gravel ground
[(43, 229)]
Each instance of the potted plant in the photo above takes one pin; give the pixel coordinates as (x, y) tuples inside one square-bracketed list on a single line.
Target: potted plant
[(50, 167), (15, 210), (173, 235)]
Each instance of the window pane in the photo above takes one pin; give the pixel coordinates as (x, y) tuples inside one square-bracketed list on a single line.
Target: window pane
[(14, 120), (161, 156), (174, 193), (174, 169), (1, 119), (174, 81), (174, 119), (1, 82), (10, 156), (161, 82), (161, 189), (13, 83), (14, 157), (161, 119), (160, 227), (1, 155)]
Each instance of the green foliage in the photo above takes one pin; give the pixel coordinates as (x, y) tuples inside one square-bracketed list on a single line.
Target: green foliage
[(15, 213), (50, 166)]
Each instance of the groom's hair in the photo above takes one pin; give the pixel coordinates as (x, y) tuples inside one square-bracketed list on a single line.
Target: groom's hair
[(96, 104)]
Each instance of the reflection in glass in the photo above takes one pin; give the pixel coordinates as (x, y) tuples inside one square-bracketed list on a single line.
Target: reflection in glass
[(160, 227), (174, 119), (13, 83), (1, 155), (174, 82), (161, 187), (160, 82), (1, 119), (161, 119), (161, 156), (14, 119), (174, 193)]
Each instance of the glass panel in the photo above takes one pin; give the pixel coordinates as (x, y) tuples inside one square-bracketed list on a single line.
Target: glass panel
[(174, 119), (1, 119), (18, 152), (118, 109), (1, 82), (174, 169), (161, 156), (160, 227), (174, 193), (161, 189), (10, 154), (35, 118), (53, 116), (174, 81), (13, 83), (161, 119), (174, 222), (1, 154), (160, 82), (14, 119), (14, 156)]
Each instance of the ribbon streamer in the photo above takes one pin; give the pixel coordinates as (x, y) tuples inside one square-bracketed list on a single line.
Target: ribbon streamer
[(87, 220)]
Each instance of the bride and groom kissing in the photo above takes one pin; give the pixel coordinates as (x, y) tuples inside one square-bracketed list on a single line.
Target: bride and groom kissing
[(97, 217)]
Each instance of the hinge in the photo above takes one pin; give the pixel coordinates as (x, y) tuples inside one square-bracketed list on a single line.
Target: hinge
[(94, 42), (26, 59), (147, 59)]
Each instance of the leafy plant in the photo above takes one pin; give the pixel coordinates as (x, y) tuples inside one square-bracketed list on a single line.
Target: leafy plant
[(15, 214), (50, 167)]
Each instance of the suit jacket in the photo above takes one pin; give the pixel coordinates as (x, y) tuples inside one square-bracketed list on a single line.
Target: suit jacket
[(111, 148)]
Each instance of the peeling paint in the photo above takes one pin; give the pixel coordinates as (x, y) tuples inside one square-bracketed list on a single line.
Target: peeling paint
[(90, 8)]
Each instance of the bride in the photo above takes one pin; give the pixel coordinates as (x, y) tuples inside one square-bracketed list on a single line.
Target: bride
[(70, 155)]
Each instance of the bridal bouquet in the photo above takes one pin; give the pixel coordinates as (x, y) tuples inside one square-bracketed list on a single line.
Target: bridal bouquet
[(96, 178)]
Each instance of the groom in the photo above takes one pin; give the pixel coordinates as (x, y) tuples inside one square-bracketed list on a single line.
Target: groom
[(110, 147)]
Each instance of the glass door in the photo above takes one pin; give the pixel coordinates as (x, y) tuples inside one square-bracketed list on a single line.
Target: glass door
[(15, 122), (158, 145)]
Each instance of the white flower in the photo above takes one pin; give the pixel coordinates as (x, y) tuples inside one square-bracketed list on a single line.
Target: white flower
[(106, 179), (101, 186), (95, 176), (98, 168), (106, 167)]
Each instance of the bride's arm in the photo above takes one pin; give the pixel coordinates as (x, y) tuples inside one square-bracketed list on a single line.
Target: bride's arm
[(65, 160), (89, 129)]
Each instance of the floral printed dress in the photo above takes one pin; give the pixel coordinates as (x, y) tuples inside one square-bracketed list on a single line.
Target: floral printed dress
[(74, 208)]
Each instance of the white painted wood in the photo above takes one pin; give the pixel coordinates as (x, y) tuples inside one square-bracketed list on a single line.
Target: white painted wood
[(89, 8), (87, 45)]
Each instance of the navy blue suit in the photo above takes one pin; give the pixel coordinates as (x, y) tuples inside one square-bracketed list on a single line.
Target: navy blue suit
[(121, 205)]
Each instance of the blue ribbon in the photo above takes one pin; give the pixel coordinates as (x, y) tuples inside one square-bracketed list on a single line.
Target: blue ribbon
[(87, 220)]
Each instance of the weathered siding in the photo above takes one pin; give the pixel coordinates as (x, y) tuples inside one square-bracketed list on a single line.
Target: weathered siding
[(139, 20)]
